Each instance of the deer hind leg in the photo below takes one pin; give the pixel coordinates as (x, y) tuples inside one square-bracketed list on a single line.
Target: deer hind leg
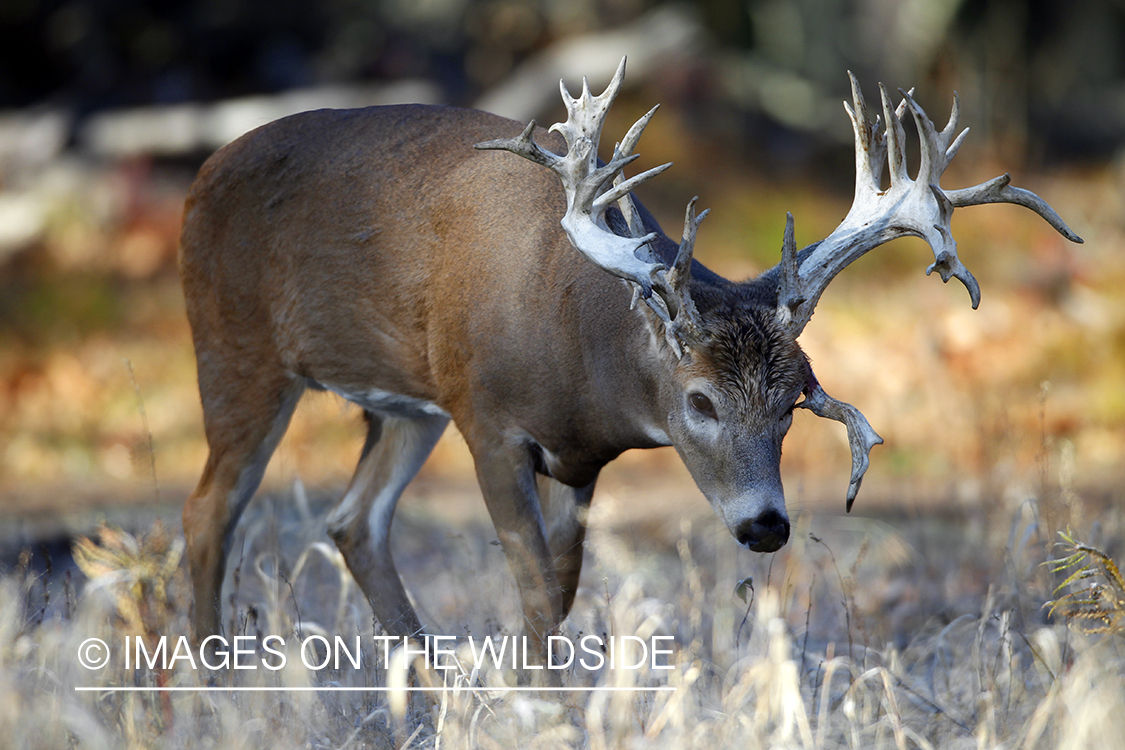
[(564, 515), (243, 426), (360, 524)]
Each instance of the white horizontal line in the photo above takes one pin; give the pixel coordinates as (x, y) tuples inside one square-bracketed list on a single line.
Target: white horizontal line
[(342, 689)]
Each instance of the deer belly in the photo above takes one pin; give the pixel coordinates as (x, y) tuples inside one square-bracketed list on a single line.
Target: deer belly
[(386, 403)]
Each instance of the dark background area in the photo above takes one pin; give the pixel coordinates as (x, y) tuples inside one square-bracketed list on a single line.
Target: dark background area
[(1049, 72)]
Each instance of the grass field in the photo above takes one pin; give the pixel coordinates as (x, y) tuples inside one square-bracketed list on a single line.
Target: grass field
[(898, 632)]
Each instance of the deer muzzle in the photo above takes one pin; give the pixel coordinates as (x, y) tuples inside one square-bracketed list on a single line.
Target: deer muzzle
[(767, 532), (745, 489)]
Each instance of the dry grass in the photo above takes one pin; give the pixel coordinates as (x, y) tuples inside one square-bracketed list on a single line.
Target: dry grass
[(854, 636)]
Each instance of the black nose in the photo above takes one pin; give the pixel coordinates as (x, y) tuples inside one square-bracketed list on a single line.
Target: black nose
[(767, 533)]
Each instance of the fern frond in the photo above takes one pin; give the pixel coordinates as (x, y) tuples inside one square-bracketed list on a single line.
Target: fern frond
[(1097, 608)]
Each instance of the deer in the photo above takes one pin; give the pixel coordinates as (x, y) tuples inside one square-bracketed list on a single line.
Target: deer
[(403, 258)]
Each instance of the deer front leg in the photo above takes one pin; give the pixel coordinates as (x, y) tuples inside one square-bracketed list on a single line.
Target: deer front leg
[(564, 511), (507, 478)]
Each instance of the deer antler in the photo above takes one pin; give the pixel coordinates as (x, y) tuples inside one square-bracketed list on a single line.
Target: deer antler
[(589, 193), (916, 207), (861, 436)]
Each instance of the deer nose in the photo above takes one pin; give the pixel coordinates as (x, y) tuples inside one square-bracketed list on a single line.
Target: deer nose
[(767, 533)]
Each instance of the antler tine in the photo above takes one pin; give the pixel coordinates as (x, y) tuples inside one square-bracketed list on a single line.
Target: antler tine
[(632, 220), (950, 127), (859, 114), (861, 437), (869, 141), (896, 139), (900, 110), (998, 190), (523, 145), (789, 296), (946, 262), (954, 117), (936, 149), (685, 316), (629, 142), (625, 202), (681, 270), (931, 152), (955, 146), (620, 189)]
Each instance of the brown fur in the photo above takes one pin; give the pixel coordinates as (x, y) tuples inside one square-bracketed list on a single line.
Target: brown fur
[(375, 252)]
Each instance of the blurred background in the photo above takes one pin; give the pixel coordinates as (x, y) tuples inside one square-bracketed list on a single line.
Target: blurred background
[(109, 107)]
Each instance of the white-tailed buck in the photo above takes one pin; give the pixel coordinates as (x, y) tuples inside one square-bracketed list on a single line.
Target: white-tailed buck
[(397, 257)]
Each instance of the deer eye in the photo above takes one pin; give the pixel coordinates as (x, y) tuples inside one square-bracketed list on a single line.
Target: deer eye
[(703, 405)]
